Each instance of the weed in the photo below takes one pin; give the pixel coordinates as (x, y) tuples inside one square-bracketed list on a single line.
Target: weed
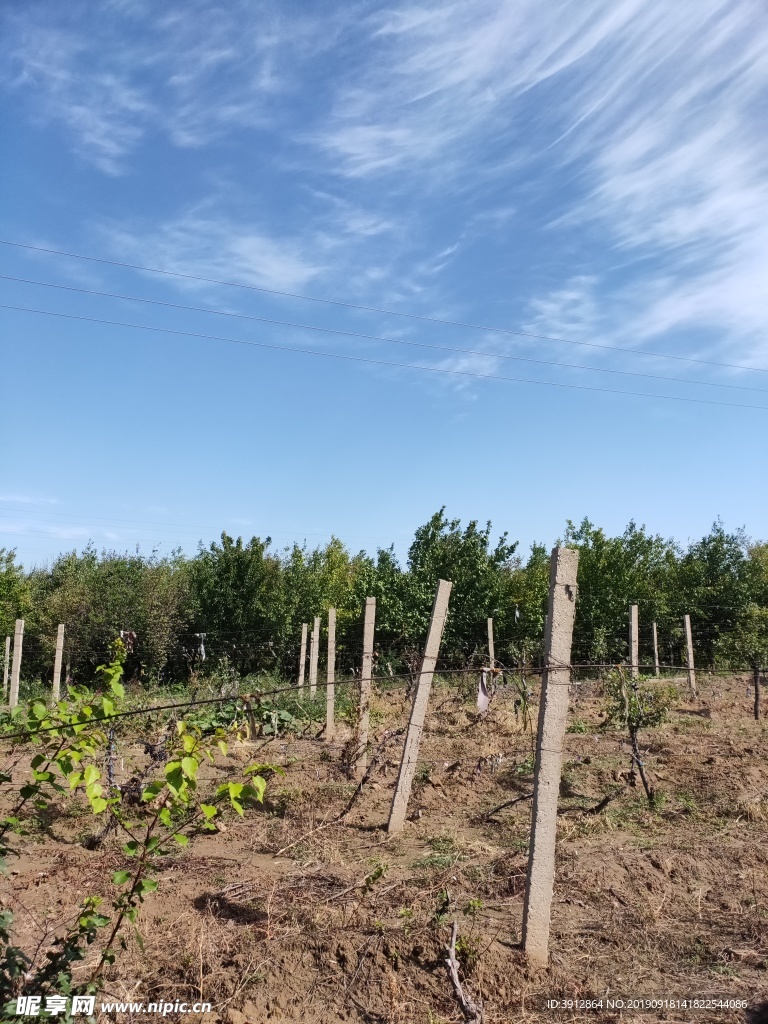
[(688, 802), (577, 725), (406, 916), (442, 844), (467, 953), (473, 908), (725, 971), (371, 879), (440, 915), (438, 861)]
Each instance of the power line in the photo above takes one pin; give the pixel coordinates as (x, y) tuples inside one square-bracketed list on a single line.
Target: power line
[(375, 309), (375, 337), (380, 362)]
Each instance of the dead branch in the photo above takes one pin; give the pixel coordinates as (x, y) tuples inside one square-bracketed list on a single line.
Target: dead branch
[(508, 803), (473, 1012), (605, 801)]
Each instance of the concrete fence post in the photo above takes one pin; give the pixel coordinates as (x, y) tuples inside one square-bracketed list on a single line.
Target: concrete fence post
[(314, 652), (757, 694), (18, 640), (656, 650), (366, 671), (5, 667), (634, 643), (399, 807), (303, 655), (553, 711), (330, 689), (57, 662), (689, 656), (491, 646)]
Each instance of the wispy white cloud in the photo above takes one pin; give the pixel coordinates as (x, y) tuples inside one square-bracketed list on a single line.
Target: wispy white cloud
[(191, 72), (648, 116), (636, 124), (105, 115), (440, 76), (213, 245)]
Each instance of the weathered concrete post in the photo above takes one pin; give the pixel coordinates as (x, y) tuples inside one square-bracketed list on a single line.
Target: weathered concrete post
[(57, 662), (757, 694), (330, 689), (656, 650), (689, 656), (491, 647), (366, 671), (303, 655), (553, 711), (314, 651), (399, 807), (5, 667), (18, 640), (634, 643)]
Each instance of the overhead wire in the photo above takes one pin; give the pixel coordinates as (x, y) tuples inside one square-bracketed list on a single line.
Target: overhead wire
[(378, 338), (381, 362), (374, 309)]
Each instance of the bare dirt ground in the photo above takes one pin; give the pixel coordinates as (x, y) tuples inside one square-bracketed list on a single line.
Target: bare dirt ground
[(279, 918)]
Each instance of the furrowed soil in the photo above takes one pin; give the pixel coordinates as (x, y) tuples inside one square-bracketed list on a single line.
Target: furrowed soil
[(287, 916)]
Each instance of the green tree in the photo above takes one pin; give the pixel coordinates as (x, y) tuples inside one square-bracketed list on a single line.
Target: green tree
[(615, 572), (239, 601), (481, 574), (747, 643), (95, 596), (15, 596), (716, 582), (529, 595)]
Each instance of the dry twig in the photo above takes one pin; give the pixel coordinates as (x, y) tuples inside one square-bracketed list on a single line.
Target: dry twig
[(473, 1012)]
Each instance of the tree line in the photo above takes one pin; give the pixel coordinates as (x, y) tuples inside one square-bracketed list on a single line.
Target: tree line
[(239, 604)]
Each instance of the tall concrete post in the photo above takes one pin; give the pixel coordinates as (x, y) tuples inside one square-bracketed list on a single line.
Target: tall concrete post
[(330, 689), (689, 655), (491, 647), (18, 640), (634, 643), (366, 671), (303, 655), (57, 662), (5, 667), (399, 807), (553, 711), (756, 674), (314, 651), (656, 650)]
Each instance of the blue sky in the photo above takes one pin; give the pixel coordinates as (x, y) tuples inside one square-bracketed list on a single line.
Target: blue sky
[(592, 172)]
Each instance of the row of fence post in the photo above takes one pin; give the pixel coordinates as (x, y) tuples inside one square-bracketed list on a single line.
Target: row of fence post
[(12, 695), (634, 648)]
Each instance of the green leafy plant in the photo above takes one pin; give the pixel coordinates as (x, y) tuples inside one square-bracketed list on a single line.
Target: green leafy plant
[(467, 953), (170, 808), (473, 908), (635, 705)]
